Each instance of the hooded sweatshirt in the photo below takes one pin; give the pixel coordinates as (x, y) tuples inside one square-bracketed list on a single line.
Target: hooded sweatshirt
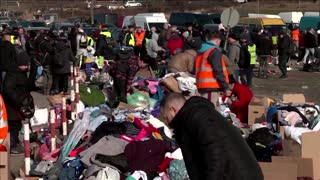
[(216, 63), (153, 46), (234, 53)]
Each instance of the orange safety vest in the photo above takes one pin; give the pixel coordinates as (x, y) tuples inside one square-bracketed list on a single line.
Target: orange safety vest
[(205, 76), (3, 121), (139, 38), (295, 35)]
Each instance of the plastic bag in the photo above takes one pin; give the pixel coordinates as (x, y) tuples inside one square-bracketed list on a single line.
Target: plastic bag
[(108, 173)]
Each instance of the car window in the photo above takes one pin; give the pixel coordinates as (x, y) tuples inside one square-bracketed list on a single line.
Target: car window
[(38, 24), (181, 19)]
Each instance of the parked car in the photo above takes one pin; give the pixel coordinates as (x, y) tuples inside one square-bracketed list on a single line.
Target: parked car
[(115, 6), (132, 4), (61, 27), (109, 26), (181, 19), (4, 18), (10, 23)]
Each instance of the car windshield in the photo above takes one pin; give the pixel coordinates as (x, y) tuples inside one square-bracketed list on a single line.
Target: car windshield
[(38, 24), (159, 26), (203, 19), (24, 23), (110, 26), (275, 28)]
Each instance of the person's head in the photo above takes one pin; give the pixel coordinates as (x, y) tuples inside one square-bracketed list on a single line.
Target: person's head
[(232, 81), (124, 29), (311, 30), (171, 105), (174, 28), (6, 35), (232, 38), (215, 37), (139, 29), (21, 31), (243, 40), (166, 26), (153, 29), (189, 27), (131, 29)]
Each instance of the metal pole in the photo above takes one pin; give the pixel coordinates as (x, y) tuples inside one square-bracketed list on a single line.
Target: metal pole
[(92, 11)]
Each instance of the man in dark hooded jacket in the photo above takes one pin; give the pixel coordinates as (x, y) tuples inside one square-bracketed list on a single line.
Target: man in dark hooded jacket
[(211, 146), (16, 86)]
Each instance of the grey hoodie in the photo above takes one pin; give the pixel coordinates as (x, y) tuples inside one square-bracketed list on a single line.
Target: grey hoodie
[(234, 54), (153, 46)]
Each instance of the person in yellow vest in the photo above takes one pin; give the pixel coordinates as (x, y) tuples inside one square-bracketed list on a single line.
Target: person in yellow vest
[(105, 31), (90, 41), (129, 37), (211, 73), (248, 58), (3, 121), (139, 36)]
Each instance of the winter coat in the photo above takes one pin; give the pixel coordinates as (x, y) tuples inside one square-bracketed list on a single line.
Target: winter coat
[(64, 56), (229, 65), (245, 57), (310, 40), (183, 62), (80, 51), (73, 42), (163, 38), (175, 43), (240, 106), (16, 84), (7, 56), (284, 45), (212, 147), (264, 46), (234, 53), (153, 46)]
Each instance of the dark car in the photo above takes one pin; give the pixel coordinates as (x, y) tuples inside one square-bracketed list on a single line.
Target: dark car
[(181, 19)]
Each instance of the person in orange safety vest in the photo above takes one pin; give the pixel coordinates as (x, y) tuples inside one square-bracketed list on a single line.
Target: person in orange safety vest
[(3, 121), (139, 36), (211, 72)]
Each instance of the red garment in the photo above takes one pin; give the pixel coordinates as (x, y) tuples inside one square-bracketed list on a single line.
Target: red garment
[(175, 42), (164, 165), (240, 107)]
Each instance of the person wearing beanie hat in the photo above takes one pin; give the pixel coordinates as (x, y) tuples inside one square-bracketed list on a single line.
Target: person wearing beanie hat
[(129, 37), (234, 53)]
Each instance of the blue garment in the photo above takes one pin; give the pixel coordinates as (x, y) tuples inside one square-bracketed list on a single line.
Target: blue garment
[(39, 71), (271, 111), (72, 169), (88, 67), (205, 46)]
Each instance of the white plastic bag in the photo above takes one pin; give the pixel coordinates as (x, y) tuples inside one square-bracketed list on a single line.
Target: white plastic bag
[(108, 173)]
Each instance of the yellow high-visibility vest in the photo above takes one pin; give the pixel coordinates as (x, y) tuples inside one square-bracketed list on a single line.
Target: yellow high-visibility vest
[(253, 54), (90, 41), (106, 33)]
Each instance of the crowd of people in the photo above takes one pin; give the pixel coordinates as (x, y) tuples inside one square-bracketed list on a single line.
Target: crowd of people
[(218, 72)]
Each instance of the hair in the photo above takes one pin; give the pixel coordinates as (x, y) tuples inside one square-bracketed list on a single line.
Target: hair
[(214, 35), (172, 98)]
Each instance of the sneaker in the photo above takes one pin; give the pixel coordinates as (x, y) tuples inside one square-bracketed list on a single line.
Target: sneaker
[(18, 149), (289, 68), (283, 77)]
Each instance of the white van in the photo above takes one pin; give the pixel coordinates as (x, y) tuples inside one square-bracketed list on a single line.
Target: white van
[(147, 22), (291, 17)]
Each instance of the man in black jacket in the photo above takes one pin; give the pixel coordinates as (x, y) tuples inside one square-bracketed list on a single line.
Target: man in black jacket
[(211, 146), (311, 44), (264, 52), (283, 49)]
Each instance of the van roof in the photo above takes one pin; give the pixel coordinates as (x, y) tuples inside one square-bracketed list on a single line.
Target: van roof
[(261, 21)]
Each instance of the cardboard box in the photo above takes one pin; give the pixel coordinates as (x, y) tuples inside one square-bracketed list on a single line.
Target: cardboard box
[(4, 160), (257, 110), (298, 161), (294, 98)]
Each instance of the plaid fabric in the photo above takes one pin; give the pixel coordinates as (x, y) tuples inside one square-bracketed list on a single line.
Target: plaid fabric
[(126, 71)]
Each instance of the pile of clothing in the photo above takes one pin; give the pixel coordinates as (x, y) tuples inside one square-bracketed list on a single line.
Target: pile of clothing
[(295, 118), (118, 143), (180, 82)]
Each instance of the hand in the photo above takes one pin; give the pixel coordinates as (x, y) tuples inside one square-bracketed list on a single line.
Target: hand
[(228, 93), (23, 68)]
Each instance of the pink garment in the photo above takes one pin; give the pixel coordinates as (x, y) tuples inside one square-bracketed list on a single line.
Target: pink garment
[(293, 118), (142, 134), (152, 86), (126, 138), (45, 153)]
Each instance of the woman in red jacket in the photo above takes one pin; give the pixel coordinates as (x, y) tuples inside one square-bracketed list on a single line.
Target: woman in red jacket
[(175, 43), (241, 104)]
